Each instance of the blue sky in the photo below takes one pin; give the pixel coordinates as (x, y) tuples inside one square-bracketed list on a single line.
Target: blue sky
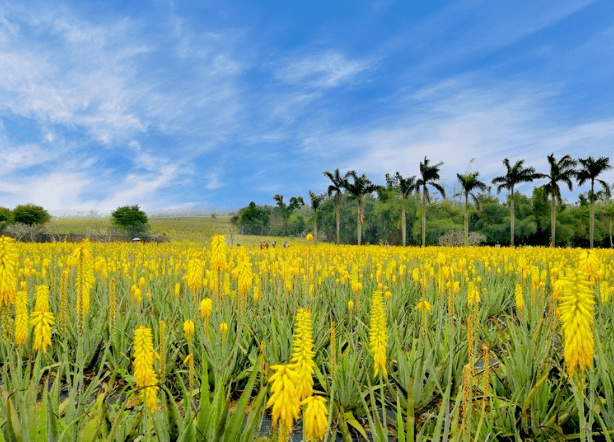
[(213, 104)]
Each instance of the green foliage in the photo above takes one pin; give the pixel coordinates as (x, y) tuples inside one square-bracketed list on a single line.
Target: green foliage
[(6, 217), (296, 224), (253, 220), (492, 221), (382, 220), (285, 210), (30, 214), (131, 219), (456, 238), (489, 216)]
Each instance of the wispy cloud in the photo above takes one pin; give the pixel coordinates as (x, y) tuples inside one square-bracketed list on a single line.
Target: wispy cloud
[(322, 70), (111, 80), (465, 30), (457, 122), (78, 77)]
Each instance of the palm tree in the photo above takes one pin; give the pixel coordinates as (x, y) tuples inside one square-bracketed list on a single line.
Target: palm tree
[(590, 170), (515, 174), (285, 210), (560, 170), (358, 189), (469, 182), (335, 189), (406, 186), (316, 200), (429, 176)]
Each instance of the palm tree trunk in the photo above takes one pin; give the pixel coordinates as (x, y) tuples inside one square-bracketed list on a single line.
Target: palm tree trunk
[(553, 222), (423, 219), (315, 227), (360, 218), (512, 221), (592, 228), (466, 223), (337, 216), (403, 228)]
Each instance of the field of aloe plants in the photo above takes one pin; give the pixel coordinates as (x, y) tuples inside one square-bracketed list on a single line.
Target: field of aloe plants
[(180, 342)]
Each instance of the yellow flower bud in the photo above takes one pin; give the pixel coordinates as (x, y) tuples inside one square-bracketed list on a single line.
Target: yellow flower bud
[(206, 305), (188, 328), (224, 328)]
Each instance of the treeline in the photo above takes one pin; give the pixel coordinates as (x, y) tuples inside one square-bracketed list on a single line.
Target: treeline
[(404, 211), (26, 223), (28, 214)]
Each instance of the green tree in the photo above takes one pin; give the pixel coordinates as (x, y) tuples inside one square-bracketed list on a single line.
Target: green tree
[(469, 183), (358, 188), (561, 170), (131, 219), (608, 213), (6, 217), (296, 224), (30, 214), (285, 210), (253, 219), (316, 200), (430, 175), (386, 216), (492, 220), (442, 217), (526, 226), (405, 187), (590, 169), (514, 175), (335, 189)]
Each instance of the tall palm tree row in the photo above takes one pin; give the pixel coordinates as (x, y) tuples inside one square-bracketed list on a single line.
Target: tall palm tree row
[(514, 175), (562, 170), (429, 176), (358, 188), (589, 171), (469, 183)]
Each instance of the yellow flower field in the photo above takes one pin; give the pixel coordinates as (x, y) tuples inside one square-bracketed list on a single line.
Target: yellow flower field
[(175, 341)]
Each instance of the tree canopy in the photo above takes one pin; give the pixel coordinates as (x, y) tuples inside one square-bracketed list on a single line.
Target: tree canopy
[(30, 214), (6, 216), (253, 220), (131, 219)]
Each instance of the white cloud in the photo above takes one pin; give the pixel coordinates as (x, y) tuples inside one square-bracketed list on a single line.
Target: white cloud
[(113, 80), (326, 69), (23, 156), (54, 191), (79, 78), (139, 189), (466, 29), (456, 124)]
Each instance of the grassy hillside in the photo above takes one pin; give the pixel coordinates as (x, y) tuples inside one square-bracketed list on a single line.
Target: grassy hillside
[(178, 228)]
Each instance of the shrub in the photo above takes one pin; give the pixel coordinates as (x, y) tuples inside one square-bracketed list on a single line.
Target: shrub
[(457, 238), (25, 232)]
